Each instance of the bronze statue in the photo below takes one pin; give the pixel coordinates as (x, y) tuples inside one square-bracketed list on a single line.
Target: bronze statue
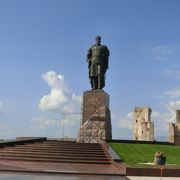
[(97, 58)]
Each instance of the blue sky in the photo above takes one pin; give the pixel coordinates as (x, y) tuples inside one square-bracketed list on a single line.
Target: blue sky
[(43, 69)]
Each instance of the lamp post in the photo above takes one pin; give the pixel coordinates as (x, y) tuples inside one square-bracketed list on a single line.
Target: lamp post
[(63, 125)]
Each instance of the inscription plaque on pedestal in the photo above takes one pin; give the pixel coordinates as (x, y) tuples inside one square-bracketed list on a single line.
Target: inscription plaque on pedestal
[(92, 101)]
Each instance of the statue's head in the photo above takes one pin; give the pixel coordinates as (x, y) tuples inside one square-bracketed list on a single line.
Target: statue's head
[(98, 39)]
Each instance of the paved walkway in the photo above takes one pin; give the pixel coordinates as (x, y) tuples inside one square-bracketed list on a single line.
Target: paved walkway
[(14, 176), (9, 176), (152, 178), (61, 168)]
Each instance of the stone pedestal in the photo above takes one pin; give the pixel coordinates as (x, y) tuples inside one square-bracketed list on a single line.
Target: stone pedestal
[(96, 120)]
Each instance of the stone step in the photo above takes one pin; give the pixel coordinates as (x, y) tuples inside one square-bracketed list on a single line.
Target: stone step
[(85, 161), (67, 143), (59, 147), (10, 152), (54, 151), (50, 156), (64, 144)]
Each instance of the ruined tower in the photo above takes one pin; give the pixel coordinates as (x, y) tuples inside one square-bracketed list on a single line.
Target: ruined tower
[(174, 130), (143, 128)]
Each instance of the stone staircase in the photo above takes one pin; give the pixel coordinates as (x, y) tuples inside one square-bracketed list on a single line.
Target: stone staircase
[(54, 151)]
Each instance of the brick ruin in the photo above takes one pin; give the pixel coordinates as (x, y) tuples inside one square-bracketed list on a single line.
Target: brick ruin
[(143, 128), (174, 130)]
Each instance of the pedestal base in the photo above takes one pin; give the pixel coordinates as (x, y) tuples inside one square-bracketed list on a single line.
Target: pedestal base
[(96, 120)]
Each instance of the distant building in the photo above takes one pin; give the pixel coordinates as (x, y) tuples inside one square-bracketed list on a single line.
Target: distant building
[(174, 130), (143, 128)]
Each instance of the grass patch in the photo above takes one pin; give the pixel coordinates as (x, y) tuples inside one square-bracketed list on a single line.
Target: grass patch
[(133, 154)]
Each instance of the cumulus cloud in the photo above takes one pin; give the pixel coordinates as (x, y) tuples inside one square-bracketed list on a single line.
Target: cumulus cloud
[(174, 102), (126, 121), (171, 106), (60, 99), (161, 120)]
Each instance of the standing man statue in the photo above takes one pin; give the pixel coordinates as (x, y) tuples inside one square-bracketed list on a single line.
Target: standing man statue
[(97, 58)]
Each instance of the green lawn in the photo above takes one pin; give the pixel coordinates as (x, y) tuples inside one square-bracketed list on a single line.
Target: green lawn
[(133, 154)]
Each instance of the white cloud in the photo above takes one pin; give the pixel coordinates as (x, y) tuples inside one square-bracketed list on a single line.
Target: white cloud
[(72, 120), (163, 50), (161, 58), (161, 121), (168, 116), (173, 72), (172, 93), (171, 106), (122, 126), (42, 122), (60, 99), (127, 121), (160, 52), (66, 126)]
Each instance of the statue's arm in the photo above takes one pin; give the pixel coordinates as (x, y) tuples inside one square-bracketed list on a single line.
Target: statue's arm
[(107, 53), (89, 57)]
